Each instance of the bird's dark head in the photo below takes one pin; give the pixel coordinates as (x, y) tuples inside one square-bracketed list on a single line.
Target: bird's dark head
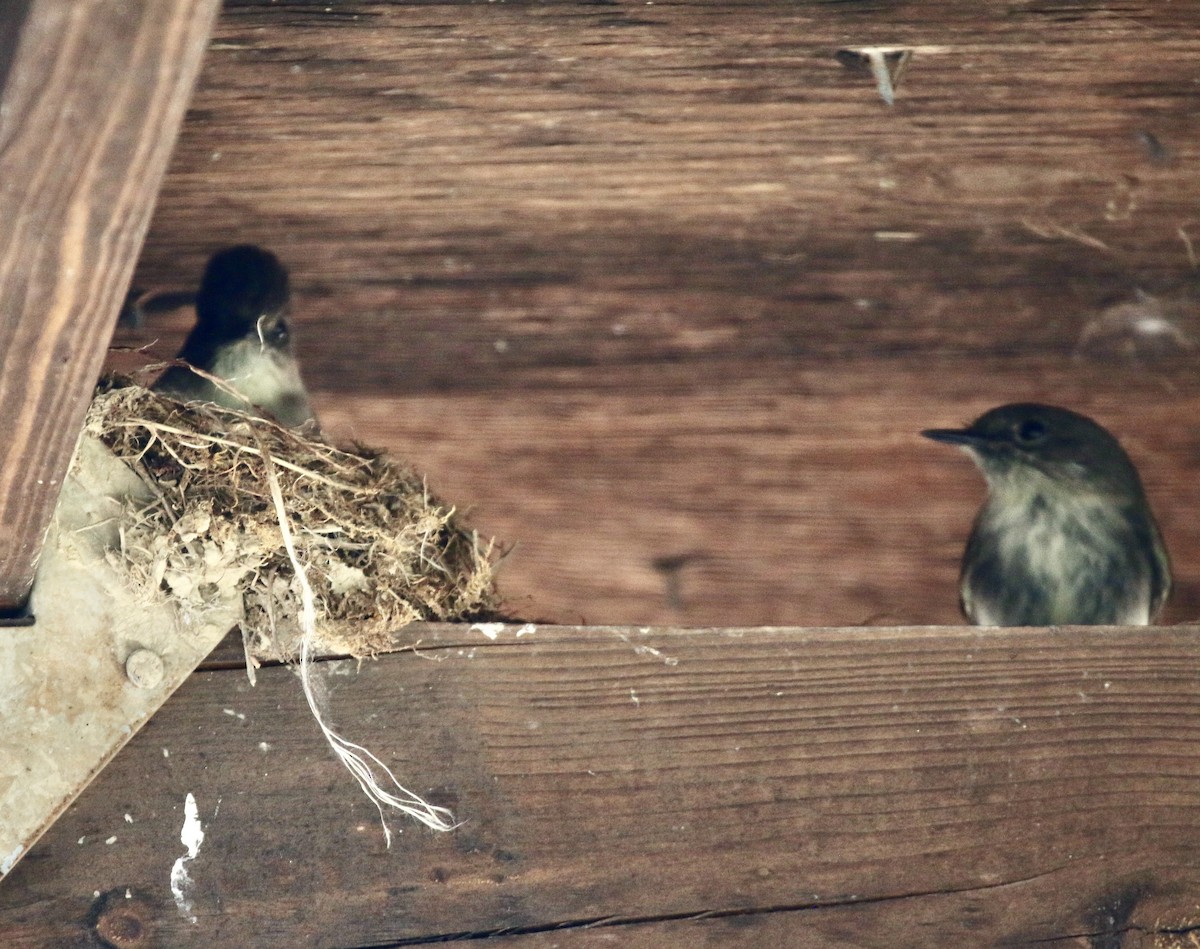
[(244, 293), (1013, 442)]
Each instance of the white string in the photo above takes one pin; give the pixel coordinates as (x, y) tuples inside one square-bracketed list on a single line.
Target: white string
[(358, 760)]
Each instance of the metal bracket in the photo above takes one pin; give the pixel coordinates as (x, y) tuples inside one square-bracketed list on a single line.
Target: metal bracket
[(95, 664)]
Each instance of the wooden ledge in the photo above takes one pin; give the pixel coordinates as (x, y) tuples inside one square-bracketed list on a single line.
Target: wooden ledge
[(656, 787)]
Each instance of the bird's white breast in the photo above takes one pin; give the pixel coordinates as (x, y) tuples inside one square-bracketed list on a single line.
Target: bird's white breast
[(264, 377)]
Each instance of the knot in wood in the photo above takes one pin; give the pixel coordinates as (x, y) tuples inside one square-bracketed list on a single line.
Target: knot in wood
[(122, 921)]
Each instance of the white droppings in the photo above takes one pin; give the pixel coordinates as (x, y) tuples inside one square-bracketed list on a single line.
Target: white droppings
[(128, 893), (527, 630), (633, 697), (10, 859), (191, 836), (643, 650), (490, 630), (166, 753), (264, 746), (128, 818), (111, 840), (240, 716), (81, 840)]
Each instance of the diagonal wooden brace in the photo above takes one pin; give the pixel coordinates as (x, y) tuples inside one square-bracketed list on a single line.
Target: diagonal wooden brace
[(92, 99)]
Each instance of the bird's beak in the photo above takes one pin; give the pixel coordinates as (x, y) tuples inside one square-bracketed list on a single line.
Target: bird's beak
[(953, 436)]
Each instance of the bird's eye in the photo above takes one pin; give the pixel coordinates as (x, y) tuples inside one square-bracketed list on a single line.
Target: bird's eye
[(1030, 432), (274, 331)]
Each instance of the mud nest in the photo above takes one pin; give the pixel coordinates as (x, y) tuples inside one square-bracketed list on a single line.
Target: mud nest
[(378, 549)]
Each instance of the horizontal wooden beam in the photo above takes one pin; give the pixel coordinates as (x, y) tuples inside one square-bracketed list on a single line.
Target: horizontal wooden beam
[(654, 787), (92, 98)]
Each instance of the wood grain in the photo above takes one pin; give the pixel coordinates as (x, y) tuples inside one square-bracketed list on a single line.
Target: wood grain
[(91, 101), (868, 788), (663, 294)]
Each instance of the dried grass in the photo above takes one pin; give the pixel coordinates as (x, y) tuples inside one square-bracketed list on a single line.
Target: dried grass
[(379, 549)]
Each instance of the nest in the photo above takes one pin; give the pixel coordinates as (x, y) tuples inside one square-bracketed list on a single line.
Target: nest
[(379, 551)]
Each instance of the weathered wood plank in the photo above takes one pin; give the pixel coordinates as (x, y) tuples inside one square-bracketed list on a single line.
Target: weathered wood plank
[(792, 500), (664, 295), (89, 109), (853, 787), (459, 174)]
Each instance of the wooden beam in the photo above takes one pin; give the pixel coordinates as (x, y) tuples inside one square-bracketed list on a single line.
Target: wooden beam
[(664, 295), (661, 787), (89, 112)]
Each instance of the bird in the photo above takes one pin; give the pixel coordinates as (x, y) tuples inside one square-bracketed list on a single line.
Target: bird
[(1066, 535), (242, 337)]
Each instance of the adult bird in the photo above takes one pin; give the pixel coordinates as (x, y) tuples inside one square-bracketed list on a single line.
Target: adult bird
[(1066, 535), (242, 338)]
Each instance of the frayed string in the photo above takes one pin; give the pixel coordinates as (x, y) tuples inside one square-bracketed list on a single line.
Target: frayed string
[(358, 760)]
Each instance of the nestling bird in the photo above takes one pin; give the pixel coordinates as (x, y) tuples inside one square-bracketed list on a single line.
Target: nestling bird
[(1066, 535), (242, 337)]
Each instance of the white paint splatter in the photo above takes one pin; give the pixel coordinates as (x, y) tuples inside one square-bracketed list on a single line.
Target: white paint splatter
[(10, 860), (490, 630), (527, 630), (191, 836)]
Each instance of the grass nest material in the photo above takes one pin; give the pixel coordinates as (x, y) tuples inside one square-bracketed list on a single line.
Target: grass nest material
[(378, 549)]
